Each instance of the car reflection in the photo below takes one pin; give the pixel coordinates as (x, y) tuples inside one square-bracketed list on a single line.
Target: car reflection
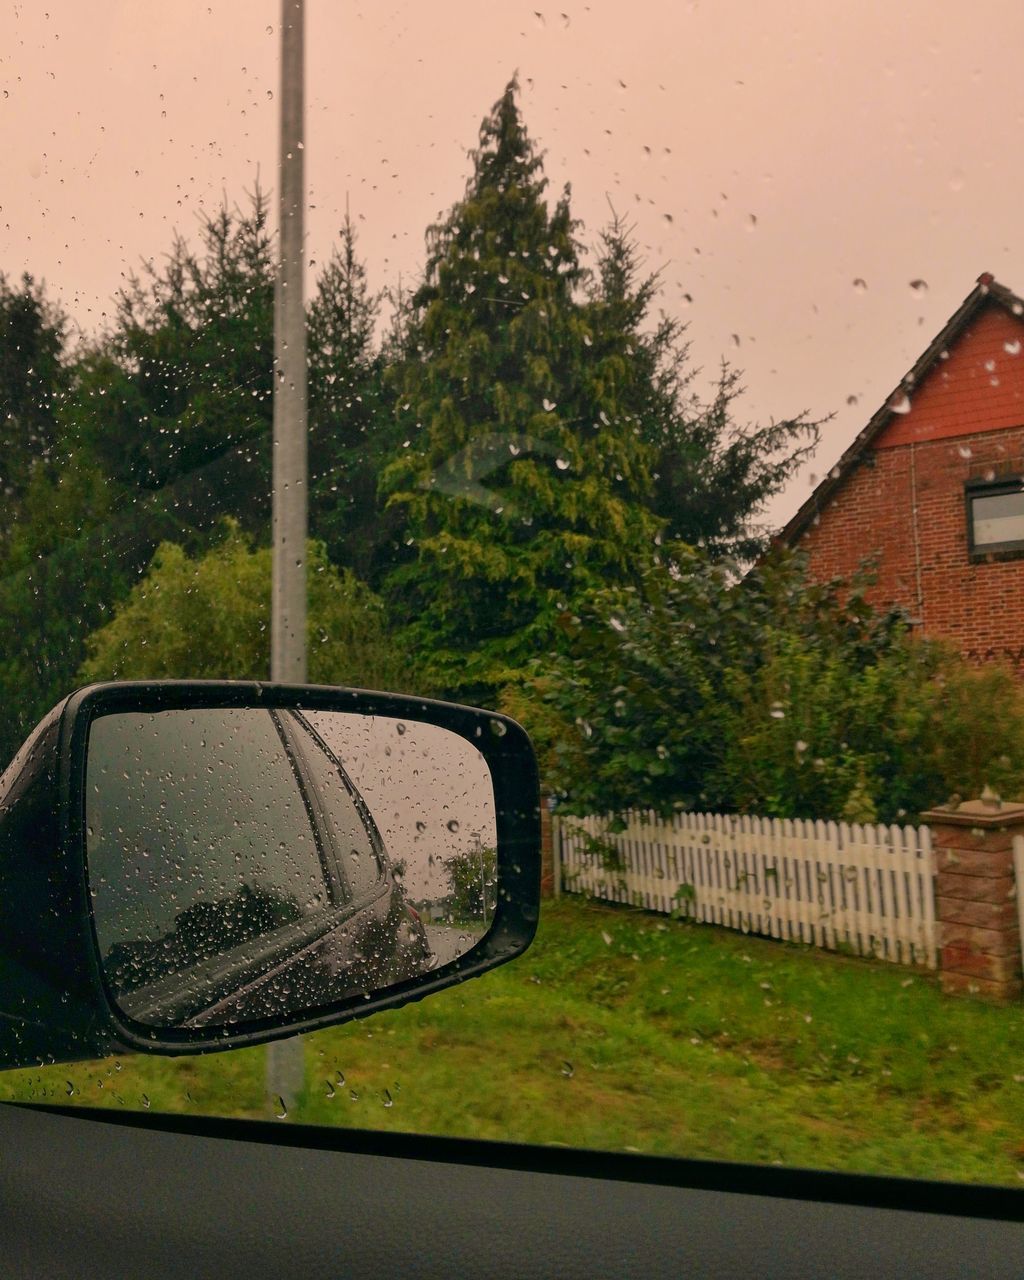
[(259, 951)]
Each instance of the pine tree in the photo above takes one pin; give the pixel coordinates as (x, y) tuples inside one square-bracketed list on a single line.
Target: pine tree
[(518, 478)]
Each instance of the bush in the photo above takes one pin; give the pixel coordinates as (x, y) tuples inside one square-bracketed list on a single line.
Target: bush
[(209, 618), (765, 694)]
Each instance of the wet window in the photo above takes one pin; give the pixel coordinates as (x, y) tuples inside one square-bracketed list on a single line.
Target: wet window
[(996, 514)]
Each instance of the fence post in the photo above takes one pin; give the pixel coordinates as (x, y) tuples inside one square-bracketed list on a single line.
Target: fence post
[(547, 849), (975, 897)]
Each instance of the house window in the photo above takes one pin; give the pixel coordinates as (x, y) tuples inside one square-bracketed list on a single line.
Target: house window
[(995, 517)]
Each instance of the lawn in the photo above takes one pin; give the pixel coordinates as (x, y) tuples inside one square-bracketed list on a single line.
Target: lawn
[(626, 1031)]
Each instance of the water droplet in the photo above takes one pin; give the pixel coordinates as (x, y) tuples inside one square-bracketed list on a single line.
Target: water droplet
[(852, 399), (400, 728), (899, 403), (452, 825), (387, 1098), (778, 711), (145, 1102), (282, 1109), (562, 464), (498, 729), (1012, 348), (549, 406), (70, 1090), (568, 1070), (964, 451), (919, 286), (860, 285), (331, 1092)]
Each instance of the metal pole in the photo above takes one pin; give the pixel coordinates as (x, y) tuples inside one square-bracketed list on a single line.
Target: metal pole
[(285, 1067)]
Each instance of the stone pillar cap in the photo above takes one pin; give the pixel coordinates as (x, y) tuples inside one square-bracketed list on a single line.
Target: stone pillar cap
[(978, 813)]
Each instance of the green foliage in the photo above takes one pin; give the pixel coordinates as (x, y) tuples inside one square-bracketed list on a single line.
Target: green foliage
[(185, 377), (710, 477), (517, 487), (208, 617), (766, 694), (33, 380), (472, 880), (352, 425)]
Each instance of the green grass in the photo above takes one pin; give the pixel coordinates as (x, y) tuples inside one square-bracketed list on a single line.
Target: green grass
[(620, 1030)]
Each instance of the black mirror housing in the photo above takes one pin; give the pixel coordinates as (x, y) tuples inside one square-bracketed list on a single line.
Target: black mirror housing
[(56, 999)]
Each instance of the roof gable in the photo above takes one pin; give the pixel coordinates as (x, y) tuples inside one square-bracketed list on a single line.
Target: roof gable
[(934, 400)]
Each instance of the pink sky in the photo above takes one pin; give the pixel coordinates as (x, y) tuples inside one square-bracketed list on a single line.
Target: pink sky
[(769, 154)]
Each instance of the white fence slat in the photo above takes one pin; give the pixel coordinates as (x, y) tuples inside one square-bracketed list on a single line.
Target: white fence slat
[(863, 887), (925, 899)]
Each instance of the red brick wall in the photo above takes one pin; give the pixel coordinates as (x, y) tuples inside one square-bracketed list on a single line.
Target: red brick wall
[(966, 422)]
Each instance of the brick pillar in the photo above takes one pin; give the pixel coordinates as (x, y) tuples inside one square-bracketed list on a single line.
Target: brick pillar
[(976, 897), (547, 850)]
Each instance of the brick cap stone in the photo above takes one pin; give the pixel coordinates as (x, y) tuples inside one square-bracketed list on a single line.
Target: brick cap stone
[(987, 814)]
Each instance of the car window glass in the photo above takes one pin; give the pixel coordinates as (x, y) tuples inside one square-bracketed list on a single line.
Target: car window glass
[(665, 371)]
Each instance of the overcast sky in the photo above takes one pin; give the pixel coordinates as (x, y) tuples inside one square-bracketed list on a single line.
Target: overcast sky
[(770, 154)]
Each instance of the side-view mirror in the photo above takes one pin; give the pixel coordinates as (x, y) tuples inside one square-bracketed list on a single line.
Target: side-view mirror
[(188, 866)]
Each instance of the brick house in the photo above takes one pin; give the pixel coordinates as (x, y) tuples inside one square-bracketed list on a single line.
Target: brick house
[(933, 487)]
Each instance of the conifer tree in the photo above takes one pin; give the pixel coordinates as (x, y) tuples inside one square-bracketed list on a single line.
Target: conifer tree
[(519, 474), (352, 424), (711, 476)]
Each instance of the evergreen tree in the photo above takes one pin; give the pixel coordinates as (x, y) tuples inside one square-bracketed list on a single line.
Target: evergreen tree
[(711, 475), (33, 379), (185, 378), (352, 425), (519, 474)]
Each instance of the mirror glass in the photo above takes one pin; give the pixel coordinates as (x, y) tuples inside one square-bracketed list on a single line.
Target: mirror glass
[(248, 863)]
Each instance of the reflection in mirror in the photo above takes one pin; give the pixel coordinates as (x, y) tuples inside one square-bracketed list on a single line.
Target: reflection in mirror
[(248, 863)]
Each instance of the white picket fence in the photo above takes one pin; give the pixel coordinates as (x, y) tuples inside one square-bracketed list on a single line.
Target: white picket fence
[(865, 888)]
